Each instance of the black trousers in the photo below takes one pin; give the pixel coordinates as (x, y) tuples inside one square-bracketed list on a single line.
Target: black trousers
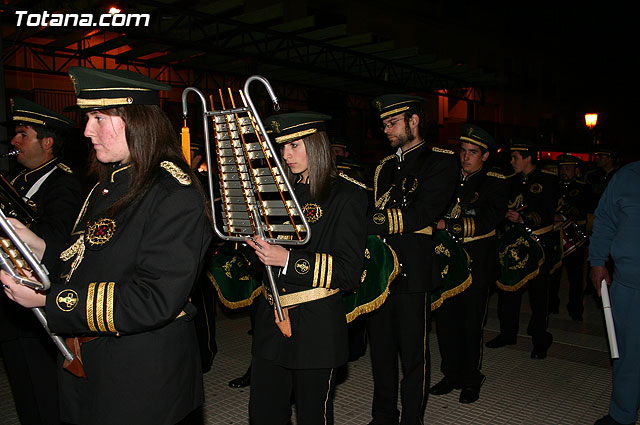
[(509, 310), (459, 323), (272, 387), (574, 264), (400, 327), (32, 370)]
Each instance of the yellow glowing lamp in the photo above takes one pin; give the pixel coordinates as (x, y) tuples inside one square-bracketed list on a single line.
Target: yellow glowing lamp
[(114, 10), (591, 120)]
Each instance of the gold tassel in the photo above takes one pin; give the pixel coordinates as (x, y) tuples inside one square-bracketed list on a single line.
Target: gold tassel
[(186, 143)]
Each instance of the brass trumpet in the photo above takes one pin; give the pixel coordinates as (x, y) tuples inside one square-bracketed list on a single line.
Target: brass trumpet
[(16, 259)]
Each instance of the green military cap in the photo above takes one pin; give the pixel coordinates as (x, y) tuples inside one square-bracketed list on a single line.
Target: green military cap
[(296, 125), (604, 150), (522, 144), (477, 136), (567, 159), (25, 112), (111, 88), (339, 142), (393, 104)]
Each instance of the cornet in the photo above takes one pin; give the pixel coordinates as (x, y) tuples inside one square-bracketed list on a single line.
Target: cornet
[(16, 258)]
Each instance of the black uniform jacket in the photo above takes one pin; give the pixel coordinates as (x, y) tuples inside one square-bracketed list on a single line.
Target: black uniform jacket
[(333, 259), (574, 201), (128, 280), (537, 192), (479, 206), (410, 193), (56, 203)]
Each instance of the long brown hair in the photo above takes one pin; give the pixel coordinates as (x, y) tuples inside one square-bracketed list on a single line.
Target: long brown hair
[(321, 165), (151, 139)]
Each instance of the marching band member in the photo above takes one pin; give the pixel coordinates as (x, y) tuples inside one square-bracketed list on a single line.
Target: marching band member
[(299, 355), (411, 190), (139, 241), (55, 194), (479, 207), (533, 203), (573, 205)]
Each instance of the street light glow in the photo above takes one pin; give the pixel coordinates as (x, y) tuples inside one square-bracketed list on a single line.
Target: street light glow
[(591, 119)]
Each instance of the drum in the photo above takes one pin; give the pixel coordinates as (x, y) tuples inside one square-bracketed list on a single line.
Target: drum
[(573, 237), (521, 257), (453, 263)]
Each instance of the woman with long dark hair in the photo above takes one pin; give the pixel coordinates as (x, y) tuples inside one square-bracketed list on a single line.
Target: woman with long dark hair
[(299, 355), (135, 253)]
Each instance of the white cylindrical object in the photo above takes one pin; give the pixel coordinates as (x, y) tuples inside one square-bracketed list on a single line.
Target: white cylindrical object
[(608, 318)]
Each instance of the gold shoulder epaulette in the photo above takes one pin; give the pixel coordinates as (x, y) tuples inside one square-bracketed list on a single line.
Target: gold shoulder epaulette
[(496, 175), (387, 158), (64, 168), (440, 150), (549, 172), (176, 172), (354, 181)]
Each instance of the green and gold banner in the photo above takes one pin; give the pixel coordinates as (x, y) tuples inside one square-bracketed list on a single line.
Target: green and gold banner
[(453, 262), (521, 257)]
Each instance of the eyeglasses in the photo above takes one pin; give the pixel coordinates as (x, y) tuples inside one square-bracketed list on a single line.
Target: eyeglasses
[(390, 123)]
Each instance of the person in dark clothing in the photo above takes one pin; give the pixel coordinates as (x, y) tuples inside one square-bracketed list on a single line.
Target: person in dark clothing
[(412, 189), (299, 355), (532, 203), (54, 193), (479, 207), (138, 245), (573, 205)]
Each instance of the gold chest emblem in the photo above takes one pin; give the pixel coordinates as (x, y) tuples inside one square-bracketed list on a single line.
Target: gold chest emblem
[(100, 232), (312, 212), (302, 266), (574, 193), (67, 300), (475, 197), (379, 218), (536, 188)]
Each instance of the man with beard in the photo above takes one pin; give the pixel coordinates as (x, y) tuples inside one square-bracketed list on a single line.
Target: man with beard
[(54, 193), (572, 214), (478, 208), (412, 188)]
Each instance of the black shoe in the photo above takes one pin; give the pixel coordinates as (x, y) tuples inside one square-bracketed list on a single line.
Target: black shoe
[(500, 341), (608, 420), (469, 395), (539, 353), (243, 381), (443, 387)]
